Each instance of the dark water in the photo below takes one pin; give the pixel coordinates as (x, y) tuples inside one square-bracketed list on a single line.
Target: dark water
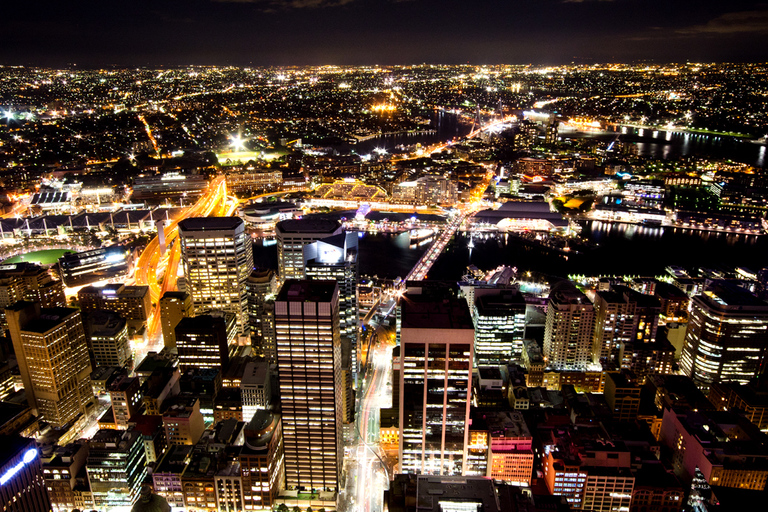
[(669, 145), (622, 250), (447, 126), (386, 255)]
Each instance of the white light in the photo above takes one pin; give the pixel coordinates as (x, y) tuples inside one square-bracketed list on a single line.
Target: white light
[(28, 457), (237, 142)]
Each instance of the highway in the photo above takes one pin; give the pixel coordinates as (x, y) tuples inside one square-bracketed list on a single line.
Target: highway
[(366, 475), (151, 264)]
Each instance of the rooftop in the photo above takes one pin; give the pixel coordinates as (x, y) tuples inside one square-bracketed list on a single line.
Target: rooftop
[(210, 223), (295, 290), (307, 225)]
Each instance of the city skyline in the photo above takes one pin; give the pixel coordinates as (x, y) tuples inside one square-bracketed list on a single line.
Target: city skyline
[(386, 32)]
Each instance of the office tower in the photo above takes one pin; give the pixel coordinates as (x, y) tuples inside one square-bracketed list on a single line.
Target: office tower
[(22, 486), (173, 307), (217, 258), (27, 281), (726, 336), (335, 259), (131, 302), (309, 372), (53, 360), (436, 352), (255, 389), (569, 328), (107, 336), (261, 285), (292, 236), (205, 341), (499, 327), (614, 327), (115, 467)]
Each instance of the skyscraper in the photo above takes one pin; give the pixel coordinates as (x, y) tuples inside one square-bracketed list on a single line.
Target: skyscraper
[(261, 311), (53, 360), (309, 371), (569, 327), (726, 336), (217, 258), (116, 467), (204, 341), (499, 327), (436, 351), (292, 236), (22, 486), (335, 258)]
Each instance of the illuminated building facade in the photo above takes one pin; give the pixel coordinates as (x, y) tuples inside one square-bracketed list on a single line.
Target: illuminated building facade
[(131, 302), (261, 311), (60, 470), (510, 457), (292, 236), (335, 259), (22, 486), (217, 258), (53, 360), (499, 327), (173, 307), (309, 371), (205, 341), (262, 461), (568, 329), (107, 336), (172, 185), (86, 267), (27, 281), (255, 388), (115, 467), (436, 339), (726, 337)]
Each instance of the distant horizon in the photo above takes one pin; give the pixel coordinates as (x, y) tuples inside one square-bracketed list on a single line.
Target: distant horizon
[(266, 33), (637, 62)]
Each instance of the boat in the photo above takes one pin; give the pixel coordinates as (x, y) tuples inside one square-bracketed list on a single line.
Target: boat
[(421, 236)]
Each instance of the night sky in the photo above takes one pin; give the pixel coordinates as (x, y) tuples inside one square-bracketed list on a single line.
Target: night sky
[(89, 33)]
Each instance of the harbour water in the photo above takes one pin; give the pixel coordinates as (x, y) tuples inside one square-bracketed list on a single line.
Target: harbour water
[(620, 250)]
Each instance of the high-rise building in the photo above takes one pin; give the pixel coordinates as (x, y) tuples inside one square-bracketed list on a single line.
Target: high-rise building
[(261, 286), (335, 259), (292, 236), (107, 336), (116, 468), (205, 341), (255, 389), (436, 351), (217, 258), (53, 360), (22, 486), (726, 336), (499, 327), (27, 281), (309, 371), (173, 307), (569, 328), (131, 302), (614, 327)]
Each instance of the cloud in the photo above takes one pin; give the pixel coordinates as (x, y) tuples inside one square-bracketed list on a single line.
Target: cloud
[(731, 23), (290, 4), (584, 1)]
